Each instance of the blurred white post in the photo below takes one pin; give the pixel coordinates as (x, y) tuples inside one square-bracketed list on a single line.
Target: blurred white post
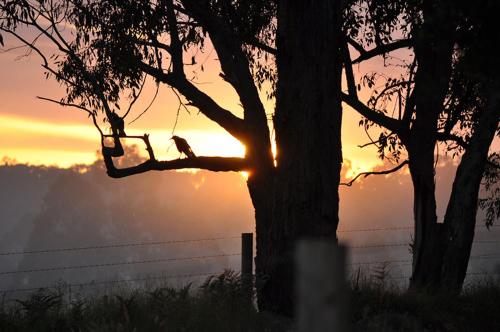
[(321, 289)]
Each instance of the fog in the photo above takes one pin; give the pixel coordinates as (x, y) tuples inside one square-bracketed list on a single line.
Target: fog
[(97, 229)]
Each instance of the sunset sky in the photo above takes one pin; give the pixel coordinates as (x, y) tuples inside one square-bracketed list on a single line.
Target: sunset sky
[(39, 132)]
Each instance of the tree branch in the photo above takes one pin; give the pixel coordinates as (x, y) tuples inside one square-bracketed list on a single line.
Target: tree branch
[(366, 174), (215, 164), (199, 99), (234, 64), (441, 136), (89, 112), (358, 47), (380, 50), (257, 43), (372, 142), (372, 115), (175, 43), (153, 43), (388, 88), (349, 73), (410, 97)]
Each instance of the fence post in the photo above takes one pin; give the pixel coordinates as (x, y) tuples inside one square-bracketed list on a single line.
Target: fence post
[(247, 263), (321, 288)]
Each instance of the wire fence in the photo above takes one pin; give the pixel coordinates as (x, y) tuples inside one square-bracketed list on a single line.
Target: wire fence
[(399, 262), (167, 242), (110, 246), (87, 266), (101, 247), (112, 282), (398, 228)]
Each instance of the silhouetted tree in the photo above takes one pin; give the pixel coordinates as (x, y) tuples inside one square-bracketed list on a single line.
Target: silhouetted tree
[(481, 79), (439, 100), (116, 44)]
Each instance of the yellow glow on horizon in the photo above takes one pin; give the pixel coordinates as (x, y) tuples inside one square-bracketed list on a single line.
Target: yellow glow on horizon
[(25, 140), (55, 157), (10, 124)]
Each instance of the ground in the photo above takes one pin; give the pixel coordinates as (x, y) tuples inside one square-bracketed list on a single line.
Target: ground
[(218, 305)]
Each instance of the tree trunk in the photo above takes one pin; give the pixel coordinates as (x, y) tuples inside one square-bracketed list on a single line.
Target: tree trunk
[(261, 188), (426, 260), (308, 127), (433, 50), (460, 217)]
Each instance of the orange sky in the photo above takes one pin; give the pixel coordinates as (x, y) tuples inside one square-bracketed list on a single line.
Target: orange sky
[(39, 132)]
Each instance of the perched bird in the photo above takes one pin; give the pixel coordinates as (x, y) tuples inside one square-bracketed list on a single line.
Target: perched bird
[(117, 124), (183, 147)]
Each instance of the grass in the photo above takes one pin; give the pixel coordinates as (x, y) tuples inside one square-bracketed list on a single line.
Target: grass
[(219, 305), (376, 307)]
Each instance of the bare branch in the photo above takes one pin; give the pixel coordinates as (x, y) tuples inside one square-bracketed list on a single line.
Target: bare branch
[(153, 43), (257, 43), (175, 42), (381, 49), (388, 88), (31, 45), (135, 97), (90, 113), (148, 107), (358, 47), (181, 105), (366, 174), (372, 142), (410, 97), (372, 115), (199, 99), (144, 137), (234, 64), (215, 164), (441, 136), (349, 73)]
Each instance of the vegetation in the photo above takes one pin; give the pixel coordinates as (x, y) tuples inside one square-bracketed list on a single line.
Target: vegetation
[(444, 98), (117, 45), (219, 305), (378, 308), (445, 94)]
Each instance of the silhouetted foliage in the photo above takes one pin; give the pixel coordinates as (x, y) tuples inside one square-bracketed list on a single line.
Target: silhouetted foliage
[(438, 94), (104, 61), (438, 97)]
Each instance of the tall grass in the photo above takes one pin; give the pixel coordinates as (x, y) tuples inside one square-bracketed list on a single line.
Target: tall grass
[(217, 305), (381, 306), (220, 304)]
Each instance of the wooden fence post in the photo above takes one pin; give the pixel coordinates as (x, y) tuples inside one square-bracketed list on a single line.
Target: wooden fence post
[(247, 263), (321, 288)]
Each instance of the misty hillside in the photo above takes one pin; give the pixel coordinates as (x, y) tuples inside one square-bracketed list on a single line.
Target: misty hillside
[(49, 208), (46, 208), (21, 195)]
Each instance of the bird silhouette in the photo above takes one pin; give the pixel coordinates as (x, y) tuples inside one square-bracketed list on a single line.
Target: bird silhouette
[(117, 124), (183, 147)]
